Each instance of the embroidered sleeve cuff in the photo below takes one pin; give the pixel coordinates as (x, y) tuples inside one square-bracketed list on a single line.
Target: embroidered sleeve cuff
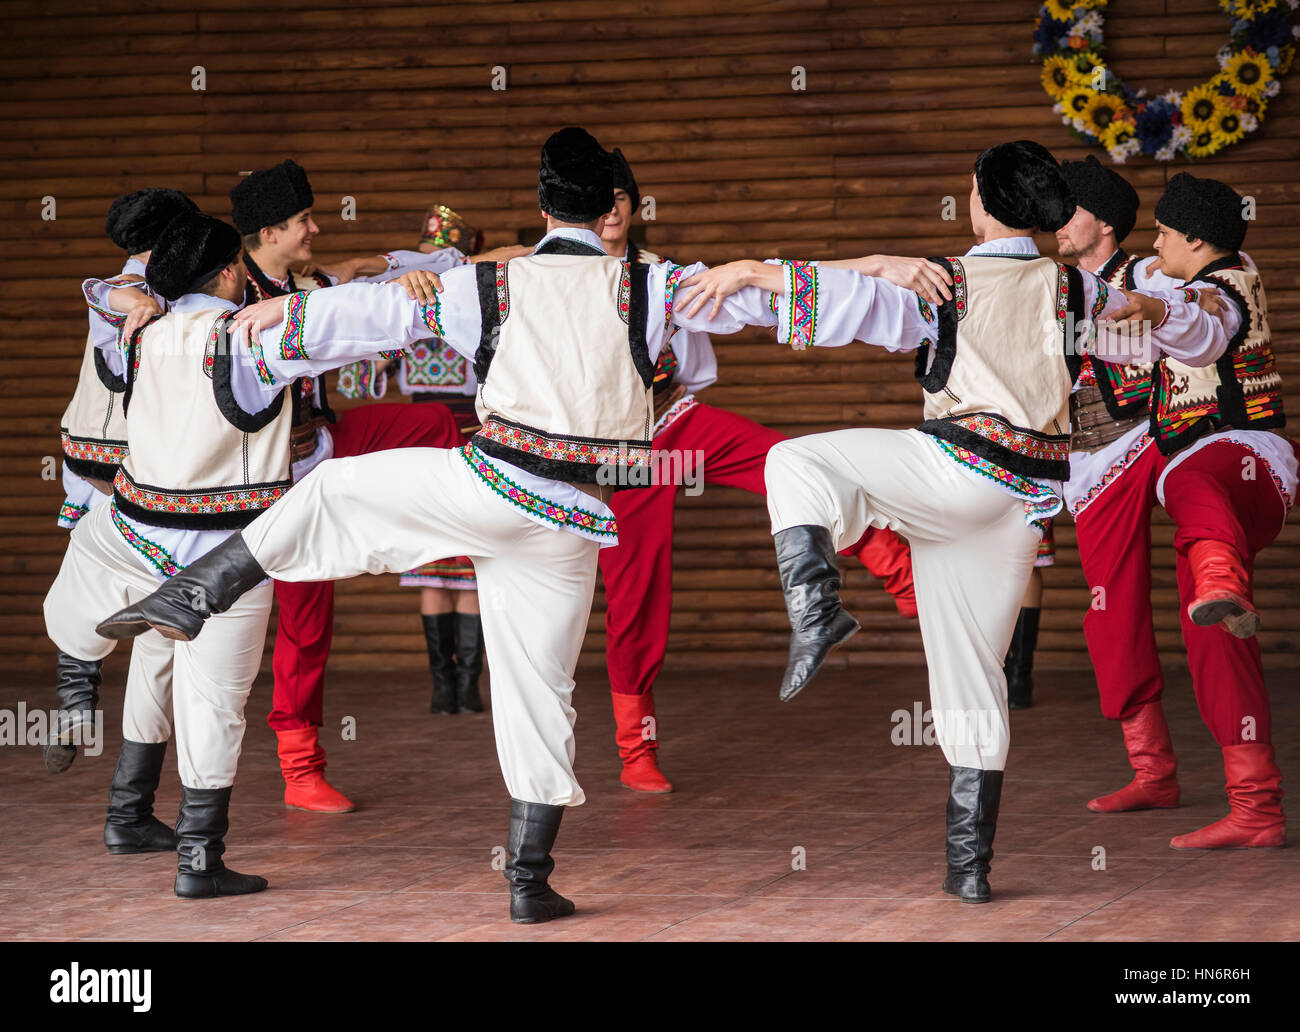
[(796, 309)]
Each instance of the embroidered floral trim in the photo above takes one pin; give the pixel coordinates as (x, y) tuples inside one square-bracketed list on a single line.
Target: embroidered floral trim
[(1112, 474), (801, 294), (197, 503), (431, 363), (1062, 294), (107, 314), (674, 413), (295, 320), (1190, 294), (1047, 545), (364, 379), (70, 513), (959, 287), (535, 504), (503, 292), (259, 359), (159, 558), (670, 293), (625, 292), (587, 453), (94, 451), (432, 315), (926, 309), (1040, 500), (1022, 442)]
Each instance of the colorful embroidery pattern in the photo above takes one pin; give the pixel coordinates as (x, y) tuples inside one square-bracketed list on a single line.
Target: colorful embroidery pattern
[(364, 379), (197, 503), (94, 451), (1112, 474), (674, 413), (1040, 500), (431, 363), (1062, 294), (534, 504), (432, 315), (801, 290), (1047, 545), (457, 573), (665, 364), (503, 292), (625, 292), (107, 314), (587, 453), (158, 557), (927, 311), (295, 320), (69, 513), (959, 287), (259, 359), (670, 293), (1022, 442)]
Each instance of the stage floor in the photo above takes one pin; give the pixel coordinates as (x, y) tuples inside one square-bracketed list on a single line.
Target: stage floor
[(761, 786)]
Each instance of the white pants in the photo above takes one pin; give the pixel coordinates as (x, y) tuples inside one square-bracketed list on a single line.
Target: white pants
[(391, 511), (972, 554), (210, 677)]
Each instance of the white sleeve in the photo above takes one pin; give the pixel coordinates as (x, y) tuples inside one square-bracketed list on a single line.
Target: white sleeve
[(1187, 332), (829, 308), (749, 306), (697, 365), (106, 322), (402, 262)]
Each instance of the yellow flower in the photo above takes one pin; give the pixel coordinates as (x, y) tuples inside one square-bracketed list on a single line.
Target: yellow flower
[(1082, 66), (1076, 99), (1204, 142), (1101, 111), (1057, 76), (1228, 127), (1119, 131), (1058, 11), (1247, 8), (1247, 73), (1201, 106)]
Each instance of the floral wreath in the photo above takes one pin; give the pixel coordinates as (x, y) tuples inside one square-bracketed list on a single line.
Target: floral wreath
[(1198, 123)]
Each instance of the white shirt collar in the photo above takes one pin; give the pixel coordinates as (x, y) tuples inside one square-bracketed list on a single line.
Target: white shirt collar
[(133, 267), (201, 303), (583, 236), (1006, 245)]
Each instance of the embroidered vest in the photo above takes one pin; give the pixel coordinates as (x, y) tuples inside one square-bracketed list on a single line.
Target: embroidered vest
[(1125, 389), (260, 286), (1002, 368), (197, 460), (93, 428), (563, 369), (1243, 389)]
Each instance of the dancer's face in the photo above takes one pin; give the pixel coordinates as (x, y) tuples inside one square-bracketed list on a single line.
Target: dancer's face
[(292, 241), (619, 219), (1081, 235), (1178, 256)]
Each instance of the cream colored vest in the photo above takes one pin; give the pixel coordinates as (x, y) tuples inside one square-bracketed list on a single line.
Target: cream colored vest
[(564, 376), (1000, 379), (197, 461), (93, 428)]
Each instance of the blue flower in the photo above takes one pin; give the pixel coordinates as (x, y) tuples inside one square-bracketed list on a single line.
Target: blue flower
[(1049, 34), (1154, 126), (1270, 29)]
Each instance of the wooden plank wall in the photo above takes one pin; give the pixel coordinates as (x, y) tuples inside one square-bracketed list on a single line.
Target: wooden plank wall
[(392, 104)]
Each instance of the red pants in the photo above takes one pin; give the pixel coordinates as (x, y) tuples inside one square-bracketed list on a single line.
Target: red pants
[(1114, 535), (1209, 499), (638, 571), (306, 621)]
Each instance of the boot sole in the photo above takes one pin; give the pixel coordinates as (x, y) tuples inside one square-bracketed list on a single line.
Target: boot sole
[(306, 809), (783, 697), (119, 630), (127, 850), (55, 761), (647, 791), (1236, 620), (966, 899)]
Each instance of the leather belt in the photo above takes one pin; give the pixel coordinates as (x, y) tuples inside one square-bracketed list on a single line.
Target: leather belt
[(1092, 427), (302, 439)]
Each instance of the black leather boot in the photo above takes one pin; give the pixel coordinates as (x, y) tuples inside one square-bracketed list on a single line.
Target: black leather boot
[(77, 689), (178, 609), (973, 798), (440, 639), (1019, 666), (533, 827), (201, 831), (469, 661), (810, 579), (131, 826)]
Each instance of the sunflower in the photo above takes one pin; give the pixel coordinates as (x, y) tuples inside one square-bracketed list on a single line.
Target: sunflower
[(1229, 127), (1056, 76), (1247, 9), (1247, 73), (1083, 66), (1204, 142), (1118, 132), (1062, 12), (1102, 110), (1200, 107), (1075, 100)]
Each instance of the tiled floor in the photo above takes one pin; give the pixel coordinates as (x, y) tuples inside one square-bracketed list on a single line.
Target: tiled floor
[(794, 821)]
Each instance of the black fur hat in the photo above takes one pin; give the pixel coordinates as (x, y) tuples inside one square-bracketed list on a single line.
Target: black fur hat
[(135, 219), (1104, 192), (270, 196), (1203, 208), (190, 251), (575, 182), (623, 177), (1020, 185)]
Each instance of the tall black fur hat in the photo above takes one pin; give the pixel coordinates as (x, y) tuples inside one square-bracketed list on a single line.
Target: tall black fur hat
[(1104, 192), (575, 182), (270, 196), (190, 251), (1020, 185), (623, 177), (135, 219), (1203, 208)]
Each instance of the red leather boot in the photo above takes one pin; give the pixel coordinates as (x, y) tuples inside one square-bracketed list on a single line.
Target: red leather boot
[(302, 761), (637, 741), (887, 556), (1255, 804), (1150, 751), (1222, 589)]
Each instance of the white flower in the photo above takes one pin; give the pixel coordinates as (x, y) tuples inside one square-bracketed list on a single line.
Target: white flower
[(1274, 87), (1223, 57), (1249, 122), (1079, 124), (1117, 155), (1182, 136), (1174, 96), (1089, 25), (1059, 109), (1166, 153)]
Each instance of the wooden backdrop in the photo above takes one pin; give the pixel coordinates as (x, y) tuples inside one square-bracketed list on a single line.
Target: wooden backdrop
[(392, 104)]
